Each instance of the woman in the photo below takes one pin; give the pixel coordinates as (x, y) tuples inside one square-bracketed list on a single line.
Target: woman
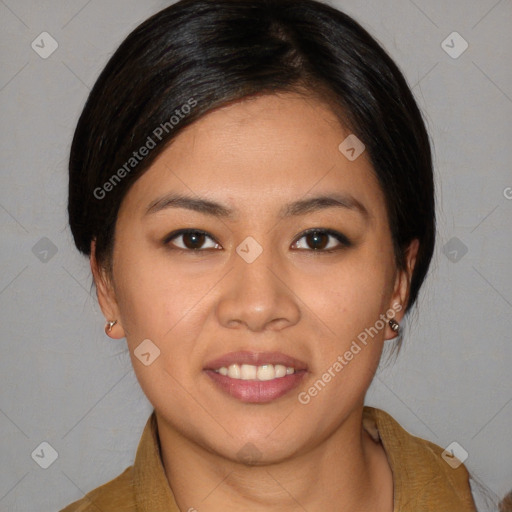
[(252, 181)]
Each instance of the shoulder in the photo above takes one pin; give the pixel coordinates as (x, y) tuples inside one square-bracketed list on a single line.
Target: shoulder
[(117, 495), (423, 478)]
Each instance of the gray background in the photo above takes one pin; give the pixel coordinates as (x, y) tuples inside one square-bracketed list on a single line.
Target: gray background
[(66, 383)]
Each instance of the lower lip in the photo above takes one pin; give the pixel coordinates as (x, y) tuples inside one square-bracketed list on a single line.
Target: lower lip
[(255, 391)]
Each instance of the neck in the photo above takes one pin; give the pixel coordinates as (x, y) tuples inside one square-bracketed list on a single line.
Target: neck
[(346, 469)]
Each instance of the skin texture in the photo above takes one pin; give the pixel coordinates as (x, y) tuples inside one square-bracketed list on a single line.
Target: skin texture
[(256, 156)]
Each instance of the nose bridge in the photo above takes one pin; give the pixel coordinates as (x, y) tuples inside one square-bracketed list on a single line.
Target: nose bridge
[(256, 295), (255, 282), (253, 262)]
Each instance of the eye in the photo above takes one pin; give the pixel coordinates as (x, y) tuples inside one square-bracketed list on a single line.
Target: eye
[(317, 238), (192, 240)]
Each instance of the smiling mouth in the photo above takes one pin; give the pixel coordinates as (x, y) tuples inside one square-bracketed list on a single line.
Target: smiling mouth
[(256, 377)]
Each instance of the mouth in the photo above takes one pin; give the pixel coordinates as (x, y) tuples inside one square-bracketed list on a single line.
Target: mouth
[(256, 377)]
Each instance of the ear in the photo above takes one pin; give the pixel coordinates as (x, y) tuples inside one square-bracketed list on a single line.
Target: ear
[(402, 286), (106, 294)]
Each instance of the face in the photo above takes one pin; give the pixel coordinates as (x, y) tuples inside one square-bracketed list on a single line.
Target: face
[(247, 266)]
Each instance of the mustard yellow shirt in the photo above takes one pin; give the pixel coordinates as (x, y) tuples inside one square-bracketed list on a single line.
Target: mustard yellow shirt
[(422, 480)]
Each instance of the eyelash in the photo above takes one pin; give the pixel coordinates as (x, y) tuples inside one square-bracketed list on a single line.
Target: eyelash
[(341, 238)]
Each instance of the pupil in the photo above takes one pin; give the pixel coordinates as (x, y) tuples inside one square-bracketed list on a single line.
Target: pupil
[(197, 239), (313, 237)]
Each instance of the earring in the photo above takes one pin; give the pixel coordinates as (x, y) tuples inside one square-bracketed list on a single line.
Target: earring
[(394, 325), (109, 325)]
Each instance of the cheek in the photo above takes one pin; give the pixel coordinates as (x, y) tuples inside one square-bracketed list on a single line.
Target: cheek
[(347, 306), (159, 305), (349, 297), (149, 295), (163, 303)]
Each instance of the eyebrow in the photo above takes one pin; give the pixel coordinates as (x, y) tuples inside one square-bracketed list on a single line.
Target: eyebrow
[(296, 208)]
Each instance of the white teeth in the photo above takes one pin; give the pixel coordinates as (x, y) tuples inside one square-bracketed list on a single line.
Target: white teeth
[(251, 372), (280, 370), (266, 372), (234, 371), (248, 372)]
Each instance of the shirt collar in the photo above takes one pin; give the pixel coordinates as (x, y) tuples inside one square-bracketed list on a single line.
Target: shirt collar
[(404, 451), (152, 490)]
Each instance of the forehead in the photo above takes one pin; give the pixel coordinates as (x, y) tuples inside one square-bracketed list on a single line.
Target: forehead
[(260, 152)]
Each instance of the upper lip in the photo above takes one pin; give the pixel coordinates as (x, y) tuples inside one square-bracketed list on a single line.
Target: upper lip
[(256, 359)]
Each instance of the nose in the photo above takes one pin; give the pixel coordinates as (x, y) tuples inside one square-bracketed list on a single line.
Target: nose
[(258, 295)]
